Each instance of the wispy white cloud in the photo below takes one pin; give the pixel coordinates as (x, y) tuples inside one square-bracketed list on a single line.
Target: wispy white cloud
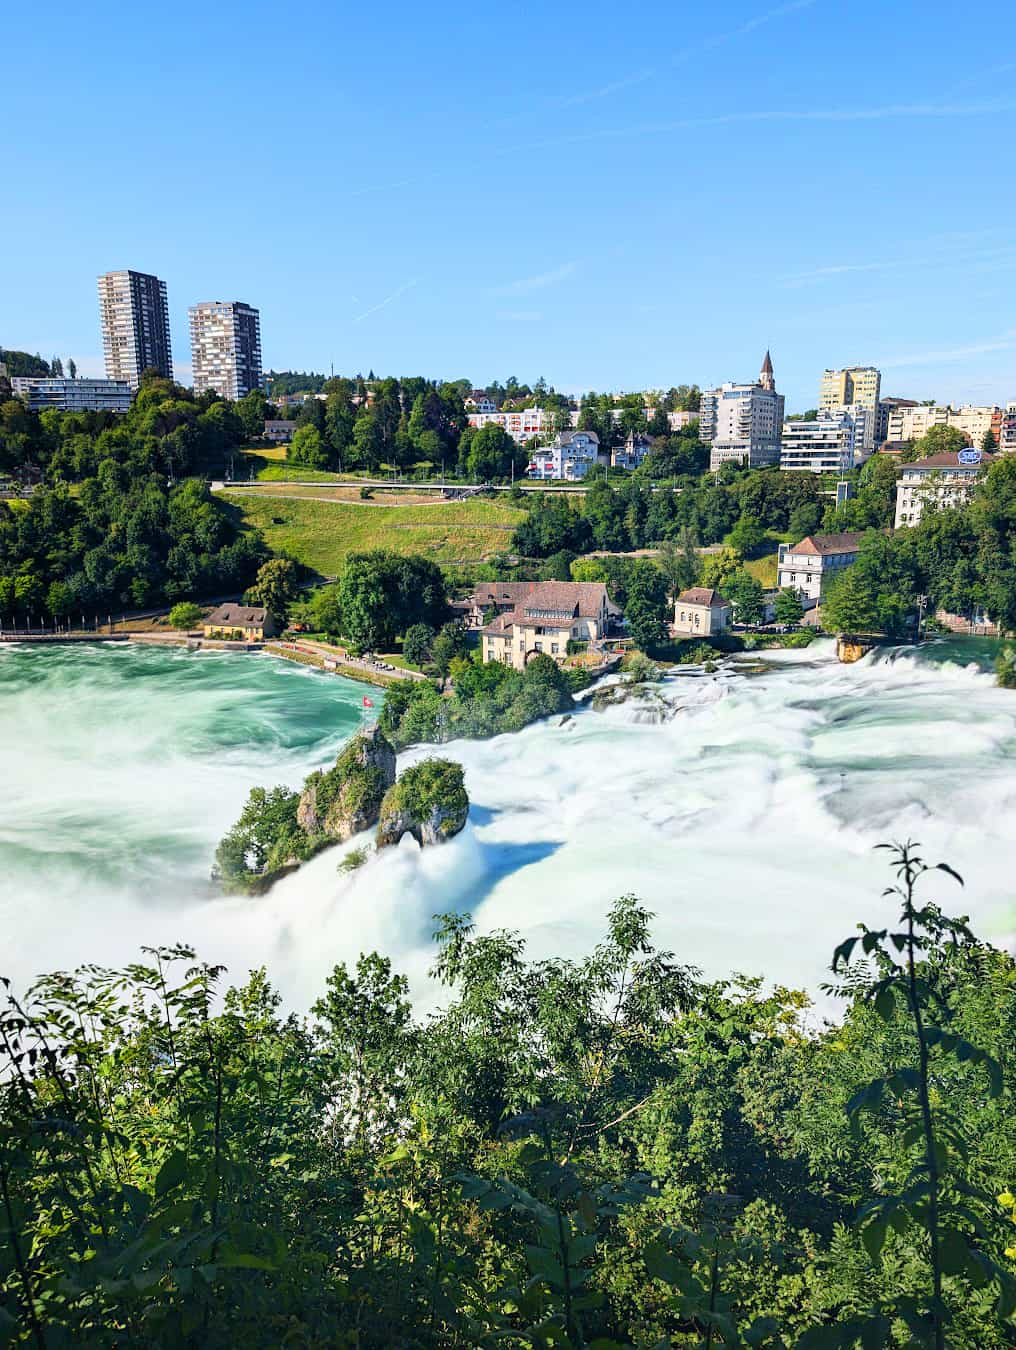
[(386, 301), (880, 113), (1003, 342), (749, 26), (605, 91), (940, 256), (979, 80), (842, 269), (707, 44), (539, 282)]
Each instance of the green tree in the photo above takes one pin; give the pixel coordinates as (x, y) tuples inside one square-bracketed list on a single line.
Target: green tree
[(491, 455), (787, 607), (849, 604), (558, 566), (416, 643), (939, 439), (326, 611), (679, 561), (252, 410), (747, 536), (275, 587), (307, 448), (747, 596), (646, 607), (450, 643), (185, 615)]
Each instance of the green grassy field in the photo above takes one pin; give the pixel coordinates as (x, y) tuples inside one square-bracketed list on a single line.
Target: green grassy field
[(320, 534), (763, 568)]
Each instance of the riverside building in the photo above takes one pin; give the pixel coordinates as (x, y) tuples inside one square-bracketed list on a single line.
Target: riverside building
[(946, 479), (807, 566), (134, 313)]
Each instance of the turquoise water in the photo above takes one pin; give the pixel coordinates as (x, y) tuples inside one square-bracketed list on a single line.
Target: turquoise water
[(747, 820)]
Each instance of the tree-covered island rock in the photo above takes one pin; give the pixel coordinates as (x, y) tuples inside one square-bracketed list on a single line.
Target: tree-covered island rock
[(279, 829), (429, 802), (341, 801)]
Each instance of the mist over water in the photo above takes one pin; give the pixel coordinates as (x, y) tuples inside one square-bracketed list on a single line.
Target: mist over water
[(746, 821)]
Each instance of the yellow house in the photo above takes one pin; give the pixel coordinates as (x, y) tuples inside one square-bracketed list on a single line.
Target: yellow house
[(239, 623), (545, 619), (701, 612)]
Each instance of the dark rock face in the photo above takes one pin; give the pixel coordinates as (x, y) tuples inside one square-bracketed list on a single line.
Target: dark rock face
[(429, 802), (342, 801)]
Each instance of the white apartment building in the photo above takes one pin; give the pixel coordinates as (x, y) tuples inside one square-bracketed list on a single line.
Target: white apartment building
[(947, 479), (834, 443), (567, 459), (807, 567), (743, 422), (853, 387), (520, 426), (910, 424), (134, 313), (73, 395), (225, 348)]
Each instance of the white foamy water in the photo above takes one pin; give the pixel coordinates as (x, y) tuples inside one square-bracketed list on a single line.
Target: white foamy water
[(746, 822)]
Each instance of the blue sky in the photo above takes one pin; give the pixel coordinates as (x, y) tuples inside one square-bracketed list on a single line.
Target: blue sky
[(608, 196)]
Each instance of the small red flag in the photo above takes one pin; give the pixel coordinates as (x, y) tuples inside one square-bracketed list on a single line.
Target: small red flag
[(367, 703)]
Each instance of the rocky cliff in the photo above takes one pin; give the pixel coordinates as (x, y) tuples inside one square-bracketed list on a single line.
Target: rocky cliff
[(340, 802), (429, 802)]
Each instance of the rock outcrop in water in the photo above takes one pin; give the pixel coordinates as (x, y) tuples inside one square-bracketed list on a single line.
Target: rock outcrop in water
[(279, 829), (340, 802), (429, 802)]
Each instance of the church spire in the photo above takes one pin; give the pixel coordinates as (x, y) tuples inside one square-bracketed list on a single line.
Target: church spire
[(765, 378)]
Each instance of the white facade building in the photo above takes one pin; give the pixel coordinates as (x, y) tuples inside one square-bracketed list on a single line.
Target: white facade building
[(743, 423), (73, 395), (568, 458), (225, 348), (135, 326), (947, 479), (833, 443), (520, 426), (807, 567)]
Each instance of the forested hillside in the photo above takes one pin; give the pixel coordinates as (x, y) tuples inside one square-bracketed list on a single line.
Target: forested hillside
[(122, 516)]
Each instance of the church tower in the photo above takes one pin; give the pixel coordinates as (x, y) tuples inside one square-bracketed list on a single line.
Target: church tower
[(765, 378)]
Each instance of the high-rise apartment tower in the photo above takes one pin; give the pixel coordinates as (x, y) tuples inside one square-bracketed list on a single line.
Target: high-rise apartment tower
[(135, 326), (225, 347)]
